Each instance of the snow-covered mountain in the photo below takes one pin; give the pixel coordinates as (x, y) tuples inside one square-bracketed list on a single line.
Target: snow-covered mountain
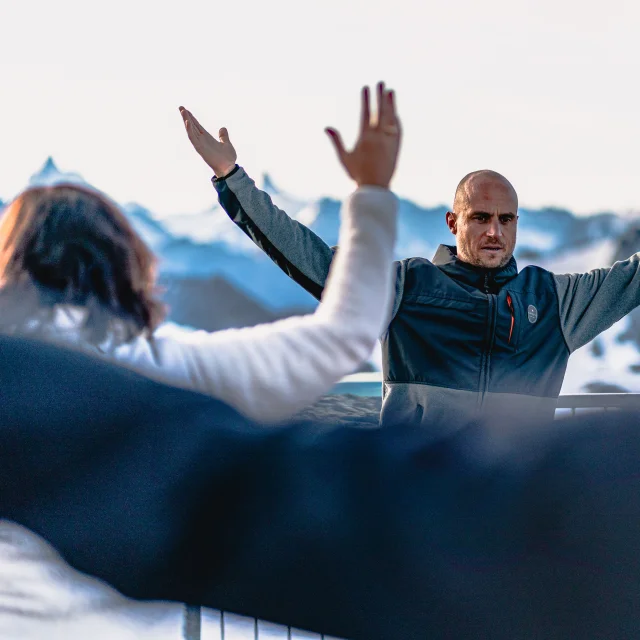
[(215, 277), (49, 175)]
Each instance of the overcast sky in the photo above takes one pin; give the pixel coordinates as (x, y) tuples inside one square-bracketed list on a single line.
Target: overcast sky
[(546, 92)]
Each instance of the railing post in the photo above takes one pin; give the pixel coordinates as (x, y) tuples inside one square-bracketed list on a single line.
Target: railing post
[(192, 629)]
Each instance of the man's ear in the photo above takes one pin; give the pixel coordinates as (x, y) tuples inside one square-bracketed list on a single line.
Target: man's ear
[(452, 222)]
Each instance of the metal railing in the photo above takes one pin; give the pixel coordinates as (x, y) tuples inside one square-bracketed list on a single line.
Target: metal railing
[(628, 401), (207, 624)]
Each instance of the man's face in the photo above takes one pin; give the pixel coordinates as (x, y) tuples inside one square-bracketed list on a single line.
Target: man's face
[(485, 223)]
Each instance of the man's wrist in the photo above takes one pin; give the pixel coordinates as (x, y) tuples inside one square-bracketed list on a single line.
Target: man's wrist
[(225, 173), (373, 183)]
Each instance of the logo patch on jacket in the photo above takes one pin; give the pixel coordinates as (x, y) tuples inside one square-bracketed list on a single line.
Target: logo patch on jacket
[(532, 313)]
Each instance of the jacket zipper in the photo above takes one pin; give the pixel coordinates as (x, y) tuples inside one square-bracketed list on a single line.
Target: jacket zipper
[(513, 316), (485, 364)]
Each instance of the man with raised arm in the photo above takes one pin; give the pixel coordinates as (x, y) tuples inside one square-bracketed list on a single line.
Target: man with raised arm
[(469, 336)]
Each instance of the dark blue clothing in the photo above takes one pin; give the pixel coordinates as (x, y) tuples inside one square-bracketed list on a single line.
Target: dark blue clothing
[(383, 533)]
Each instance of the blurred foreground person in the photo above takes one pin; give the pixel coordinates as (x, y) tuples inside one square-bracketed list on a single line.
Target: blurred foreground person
[(166, 494), (73, 270)]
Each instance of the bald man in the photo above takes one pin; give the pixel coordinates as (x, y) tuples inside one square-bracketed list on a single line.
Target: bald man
[(469, 338)]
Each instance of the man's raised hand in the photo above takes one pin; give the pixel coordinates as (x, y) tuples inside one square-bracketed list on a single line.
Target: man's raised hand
[(374, 157), (219, 155)]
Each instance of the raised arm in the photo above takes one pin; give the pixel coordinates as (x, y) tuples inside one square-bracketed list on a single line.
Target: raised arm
[(271, 371), (299, 252), (591, 302)]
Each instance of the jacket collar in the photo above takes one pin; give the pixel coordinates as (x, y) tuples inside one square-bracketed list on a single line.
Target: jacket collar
[(486, 280)]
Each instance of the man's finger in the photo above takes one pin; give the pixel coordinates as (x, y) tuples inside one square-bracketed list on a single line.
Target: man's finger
[(382, 107), (193, 128), (387, 109), (391, 97), (200, 128), (184, 114), (365, 119), (186, 121), (191, 132), (197, 129), (223, 134), (337, 143), (189, 128), (389, 122)]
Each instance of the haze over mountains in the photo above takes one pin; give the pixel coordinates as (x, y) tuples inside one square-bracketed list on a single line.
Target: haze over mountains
[(215, 277)]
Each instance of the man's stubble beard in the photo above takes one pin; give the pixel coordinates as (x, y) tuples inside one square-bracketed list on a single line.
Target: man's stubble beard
[(478, 262), (503, 263)]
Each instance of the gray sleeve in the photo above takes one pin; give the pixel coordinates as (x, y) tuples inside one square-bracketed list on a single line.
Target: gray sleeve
[(592, 302), (297, 250)]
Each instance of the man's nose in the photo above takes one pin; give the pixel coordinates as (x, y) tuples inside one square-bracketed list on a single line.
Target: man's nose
[(495, 228)]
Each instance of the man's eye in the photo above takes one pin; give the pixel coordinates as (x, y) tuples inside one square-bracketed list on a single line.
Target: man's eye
[(506, 219)]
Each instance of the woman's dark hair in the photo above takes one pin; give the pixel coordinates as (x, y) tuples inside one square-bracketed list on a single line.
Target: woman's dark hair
[(78, 248)]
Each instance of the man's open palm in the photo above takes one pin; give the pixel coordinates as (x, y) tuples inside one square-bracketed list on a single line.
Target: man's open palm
[(218, 154), (374, 157)]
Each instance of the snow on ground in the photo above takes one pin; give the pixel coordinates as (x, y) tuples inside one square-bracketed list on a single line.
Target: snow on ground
[(613, 367)]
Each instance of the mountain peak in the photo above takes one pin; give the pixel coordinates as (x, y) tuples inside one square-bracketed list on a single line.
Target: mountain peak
[(49, 166), (49, 174)]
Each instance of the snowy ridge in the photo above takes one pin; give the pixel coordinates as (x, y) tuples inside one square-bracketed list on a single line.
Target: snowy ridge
[(205, 254)]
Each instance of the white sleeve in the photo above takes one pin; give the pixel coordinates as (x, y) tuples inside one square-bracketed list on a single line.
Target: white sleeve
[(271, 371)]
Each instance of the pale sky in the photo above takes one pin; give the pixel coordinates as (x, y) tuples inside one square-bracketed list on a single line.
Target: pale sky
[(545, 91)]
